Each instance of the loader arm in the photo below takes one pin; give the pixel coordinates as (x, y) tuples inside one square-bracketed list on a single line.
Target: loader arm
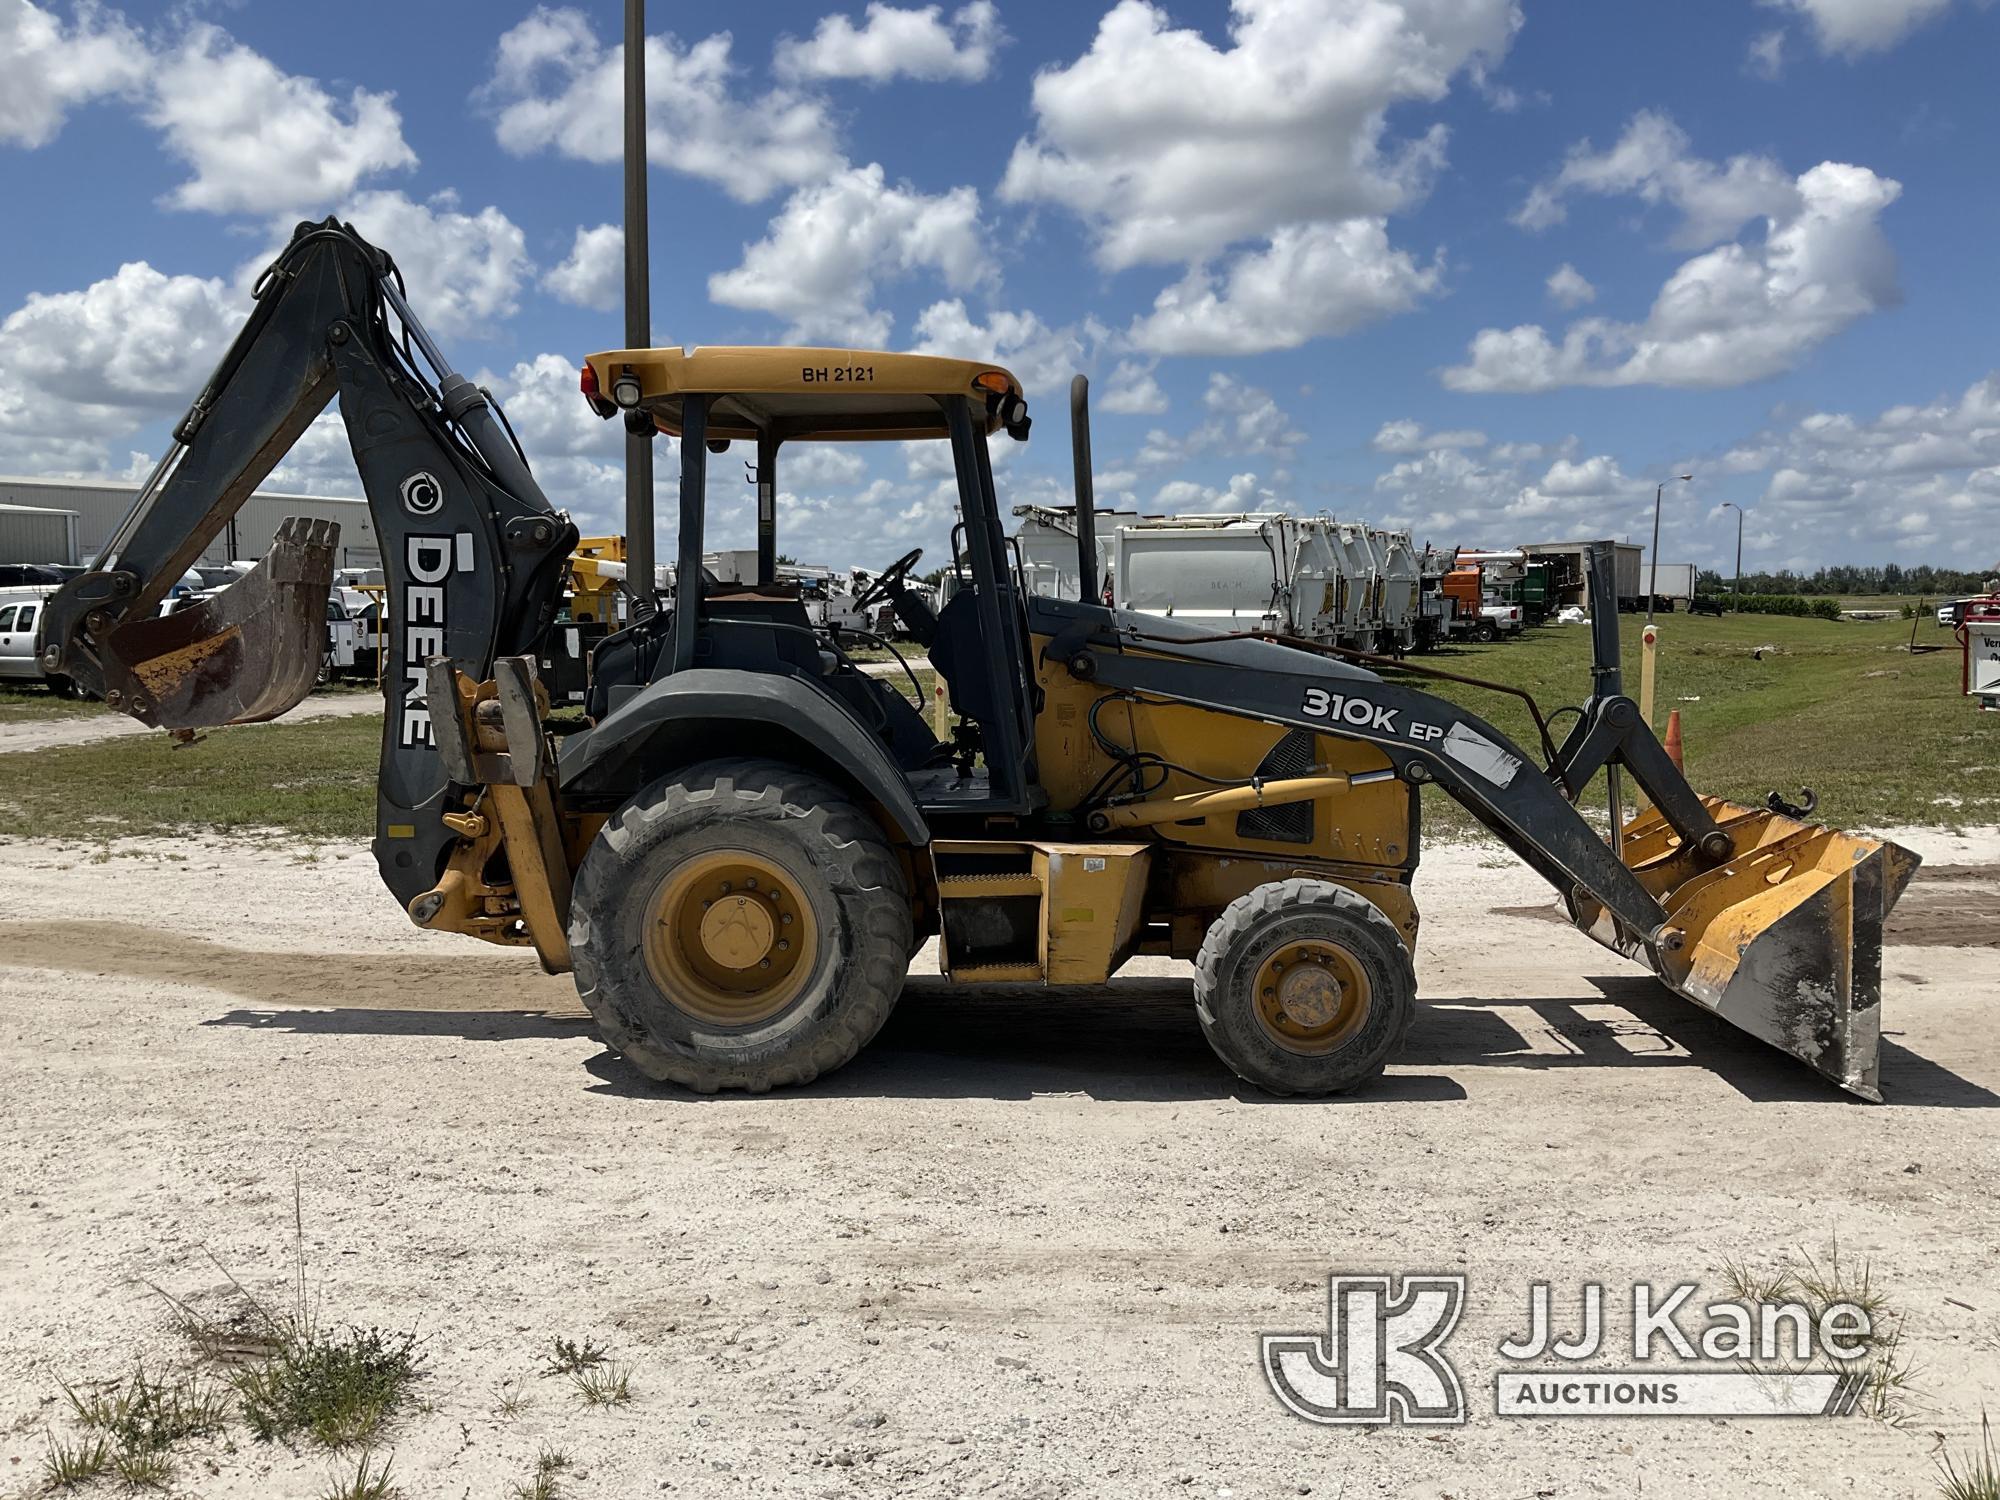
[(472, 551), (1771, 923)]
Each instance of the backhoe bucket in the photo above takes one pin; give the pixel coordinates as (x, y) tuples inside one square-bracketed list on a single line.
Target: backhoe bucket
[(1783, 940), (251, 652)]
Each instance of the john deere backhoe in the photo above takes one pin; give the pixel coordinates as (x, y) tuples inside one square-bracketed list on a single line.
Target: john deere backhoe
[(740, 852)]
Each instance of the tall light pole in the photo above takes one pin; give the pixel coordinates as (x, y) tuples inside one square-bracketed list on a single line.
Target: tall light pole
[(1736, 590), (638, 320), (1653, 583)]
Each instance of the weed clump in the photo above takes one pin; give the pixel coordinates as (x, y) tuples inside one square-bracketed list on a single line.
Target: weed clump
[(1980, 1478), (336, 1387)]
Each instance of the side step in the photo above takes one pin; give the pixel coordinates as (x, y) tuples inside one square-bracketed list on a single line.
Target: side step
[(1037, 912)]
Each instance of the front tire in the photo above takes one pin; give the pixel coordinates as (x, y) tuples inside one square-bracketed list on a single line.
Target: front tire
[(1304, 987), (739, 925)]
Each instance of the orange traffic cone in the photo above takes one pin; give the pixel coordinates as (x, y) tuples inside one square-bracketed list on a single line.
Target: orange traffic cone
[(1674, 738)]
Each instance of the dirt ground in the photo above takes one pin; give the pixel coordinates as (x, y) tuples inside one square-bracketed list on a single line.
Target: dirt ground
[(1022, 1247)]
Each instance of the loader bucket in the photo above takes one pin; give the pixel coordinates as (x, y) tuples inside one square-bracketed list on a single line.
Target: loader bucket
[(251, 652), (1784, 939)]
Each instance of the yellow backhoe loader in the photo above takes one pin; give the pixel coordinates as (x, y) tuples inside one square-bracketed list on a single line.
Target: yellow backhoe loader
[(740, 852)]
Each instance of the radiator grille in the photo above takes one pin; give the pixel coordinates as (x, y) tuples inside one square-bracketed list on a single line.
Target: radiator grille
[(1291, 823)]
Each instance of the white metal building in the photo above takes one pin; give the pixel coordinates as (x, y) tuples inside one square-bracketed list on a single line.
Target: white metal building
[(38, 534), (100, 504)]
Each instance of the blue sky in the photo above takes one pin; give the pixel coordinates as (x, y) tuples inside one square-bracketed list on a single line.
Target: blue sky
[(1480, 269)]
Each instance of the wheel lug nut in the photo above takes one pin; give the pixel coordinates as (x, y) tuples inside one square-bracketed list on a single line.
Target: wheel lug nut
[(763, 963), (786, 919), (784, 945), (750, 884)]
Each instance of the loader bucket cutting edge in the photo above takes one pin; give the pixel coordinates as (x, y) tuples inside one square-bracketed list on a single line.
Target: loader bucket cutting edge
[(250, 653), (1783, 940)]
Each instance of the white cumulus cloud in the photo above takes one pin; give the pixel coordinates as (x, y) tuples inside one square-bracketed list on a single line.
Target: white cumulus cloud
[(464, 271), (557, 87), (1133, 391), (261, 140), (1042, 358), (1408, 436), (593, 273), (1852, 27), (82, 369), (1654, 161), (1568, 287), (48, 68), (1172, 148), (1734, 313), (897, 43), (818, 265), (1311, 281)]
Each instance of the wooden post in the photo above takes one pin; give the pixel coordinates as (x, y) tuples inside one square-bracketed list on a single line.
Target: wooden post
[(1649, 640)]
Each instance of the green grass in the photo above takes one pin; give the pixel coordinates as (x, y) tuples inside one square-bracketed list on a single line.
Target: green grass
[(337, 1387), (366, 1482), (543, 1483), (603, 1385), (1979, 1478), (1881, 735), (22, 702), (1822, 1281), (315, 779), (143, 1415), (70, 1464)]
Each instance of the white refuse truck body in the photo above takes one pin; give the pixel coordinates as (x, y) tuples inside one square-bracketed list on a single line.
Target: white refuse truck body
[(1399, 589), (1228, 572), (1047, 539), (1337, 583)]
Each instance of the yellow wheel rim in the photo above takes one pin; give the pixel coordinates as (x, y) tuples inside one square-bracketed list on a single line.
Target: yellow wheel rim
[(729, 938), (1312, 996)]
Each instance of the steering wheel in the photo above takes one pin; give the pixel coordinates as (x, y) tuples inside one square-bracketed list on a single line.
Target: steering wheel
[(889, 582)]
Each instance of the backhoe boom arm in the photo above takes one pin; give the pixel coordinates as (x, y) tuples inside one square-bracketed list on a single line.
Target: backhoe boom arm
[(472, 551)]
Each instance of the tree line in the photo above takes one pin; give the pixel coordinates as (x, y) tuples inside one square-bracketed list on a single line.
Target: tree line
[(1849, 578)]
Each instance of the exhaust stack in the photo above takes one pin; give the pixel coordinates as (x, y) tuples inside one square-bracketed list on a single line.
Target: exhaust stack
[(1086, 489)]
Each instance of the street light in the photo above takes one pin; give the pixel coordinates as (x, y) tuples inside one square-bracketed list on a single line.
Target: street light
[(1653, 584), (1736, 593)]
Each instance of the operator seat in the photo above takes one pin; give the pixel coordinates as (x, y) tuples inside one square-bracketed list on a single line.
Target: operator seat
[(956, 655)]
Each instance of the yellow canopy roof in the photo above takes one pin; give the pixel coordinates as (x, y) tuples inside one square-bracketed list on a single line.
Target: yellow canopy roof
[(799, 394)]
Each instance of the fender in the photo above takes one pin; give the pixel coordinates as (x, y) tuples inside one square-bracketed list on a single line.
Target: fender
[(697, 714)]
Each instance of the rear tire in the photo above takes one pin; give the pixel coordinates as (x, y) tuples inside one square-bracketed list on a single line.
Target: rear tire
[(740, 925), (1485, 632), (1304, 987)]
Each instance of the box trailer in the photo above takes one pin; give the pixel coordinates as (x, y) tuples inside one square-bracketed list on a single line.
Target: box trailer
[(1671, 584), (38, 534), (1570, 577)]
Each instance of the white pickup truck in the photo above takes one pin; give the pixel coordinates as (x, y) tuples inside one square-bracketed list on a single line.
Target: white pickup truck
[(1497, 619), (20, 619)]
